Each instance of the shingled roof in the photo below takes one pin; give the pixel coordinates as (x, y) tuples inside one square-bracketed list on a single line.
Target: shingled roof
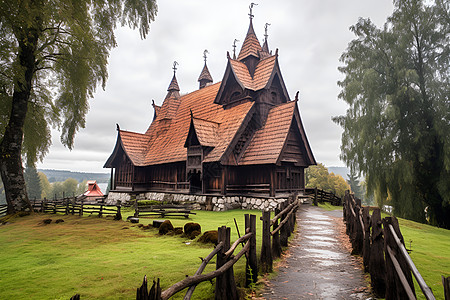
[(215, 125), (251, 45)]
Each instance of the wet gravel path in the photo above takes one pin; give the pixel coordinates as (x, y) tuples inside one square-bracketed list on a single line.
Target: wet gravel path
[(318, 264)]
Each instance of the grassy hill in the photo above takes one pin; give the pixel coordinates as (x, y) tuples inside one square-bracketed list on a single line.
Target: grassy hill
[(62, 175)]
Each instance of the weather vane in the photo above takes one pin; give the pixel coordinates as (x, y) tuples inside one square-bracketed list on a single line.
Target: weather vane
[(204, 54), (234, 47), (265, 30), (251, 8), (175, 63)]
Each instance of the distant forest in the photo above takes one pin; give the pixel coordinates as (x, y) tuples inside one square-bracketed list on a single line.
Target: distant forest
[(61, 175)]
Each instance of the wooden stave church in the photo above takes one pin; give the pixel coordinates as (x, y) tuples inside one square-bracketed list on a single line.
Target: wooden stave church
[(242, 135)]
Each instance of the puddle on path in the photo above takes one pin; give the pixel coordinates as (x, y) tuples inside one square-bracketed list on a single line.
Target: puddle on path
[(317, 222), (319, 230), (320, 238), (322, 243), (325, 254)]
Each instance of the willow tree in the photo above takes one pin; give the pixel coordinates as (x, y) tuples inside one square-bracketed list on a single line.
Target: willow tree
[(53, 55), (397, 126)]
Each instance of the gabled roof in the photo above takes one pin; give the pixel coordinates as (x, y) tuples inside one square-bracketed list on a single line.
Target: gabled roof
[(267, 143), (93, 189), (251, 45), (164, 140), (205, 131)]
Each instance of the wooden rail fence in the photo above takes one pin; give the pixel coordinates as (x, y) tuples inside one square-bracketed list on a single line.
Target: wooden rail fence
[(385, 257), (225, 283), (275, 235), (75, 206), (3, 210), (318, 195)]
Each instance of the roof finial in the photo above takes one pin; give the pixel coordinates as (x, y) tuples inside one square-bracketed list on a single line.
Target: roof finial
[(234, 48), (204, 54), (175, 63), (251, 10), (265, 30)]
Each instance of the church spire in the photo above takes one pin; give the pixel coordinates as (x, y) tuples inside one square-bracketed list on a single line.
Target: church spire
[(173, 90), (251, 45), (265, 47), (205, 76)]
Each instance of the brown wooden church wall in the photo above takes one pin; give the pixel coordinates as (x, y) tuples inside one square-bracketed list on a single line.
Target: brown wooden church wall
[(160, 177), (289, 178), (124, 173)]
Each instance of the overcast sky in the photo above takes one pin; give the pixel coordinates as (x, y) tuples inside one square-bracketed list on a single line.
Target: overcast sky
[(310, 36)]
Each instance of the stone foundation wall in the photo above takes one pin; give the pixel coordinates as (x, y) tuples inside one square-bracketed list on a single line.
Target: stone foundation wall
[(204, 202)]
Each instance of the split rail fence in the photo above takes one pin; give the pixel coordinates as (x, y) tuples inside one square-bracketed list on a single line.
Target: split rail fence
[(318, 195), (75, 206), (385, 257), (3, 209)]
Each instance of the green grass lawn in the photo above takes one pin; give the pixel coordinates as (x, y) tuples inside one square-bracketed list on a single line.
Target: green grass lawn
[(103, 259)]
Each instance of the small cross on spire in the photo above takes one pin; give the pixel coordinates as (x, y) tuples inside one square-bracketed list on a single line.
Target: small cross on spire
[(251, 10), (234, 48), (265, 30), (204, 55), (175, 63)]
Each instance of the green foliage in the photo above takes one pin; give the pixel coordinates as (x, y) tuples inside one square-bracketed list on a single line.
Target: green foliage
[(53, 54), (397, 126), (33, 182), (318, 176), (45, 185)]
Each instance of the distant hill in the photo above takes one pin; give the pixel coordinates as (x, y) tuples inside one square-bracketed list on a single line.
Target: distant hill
[(62, 175)]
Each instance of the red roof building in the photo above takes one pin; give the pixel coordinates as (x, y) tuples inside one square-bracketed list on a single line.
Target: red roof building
[(243, 135), (93, 189)]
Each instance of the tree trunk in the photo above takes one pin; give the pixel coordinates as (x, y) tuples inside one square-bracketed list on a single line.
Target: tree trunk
[(11, 169)]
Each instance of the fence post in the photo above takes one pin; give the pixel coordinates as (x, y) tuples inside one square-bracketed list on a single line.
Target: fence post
[(251, 269), (225, 284), (100, 213), (394, 287), (119, 214), (283, 230), (446, 283), (315, 196), (266, 251), (358, 238), (81, 207), (67, 206), (276, 246), (376, 263), (366, 242)]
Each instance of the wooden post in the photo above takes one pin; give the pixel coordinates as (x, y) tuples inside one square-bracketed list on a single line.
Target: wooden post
[(366, 241), (357, 239), (376, 263), (224, 180), (252, 262), (67, 206), (276, 246), (394, 287), (446, 283), (119, 214), (101, 211), (272, 181), (266, 251), (225, 284), (136, 209), (315, 196), (283, 230), (81, 207)]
